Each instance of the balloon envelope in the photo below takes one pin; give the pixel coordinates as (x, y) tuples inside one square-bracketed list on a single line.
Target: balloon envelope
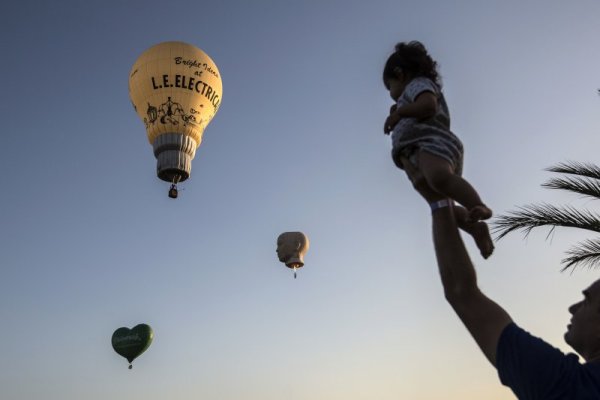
[(130, 343), (291, 247), (176, 90)]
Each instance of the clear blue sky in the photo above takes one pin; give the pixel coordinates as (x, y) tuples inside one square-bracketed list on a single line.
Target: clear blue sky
[(90, 242)]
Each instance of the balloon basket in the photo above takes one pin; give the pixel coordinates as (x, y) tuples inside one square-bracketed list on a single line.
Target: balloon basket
[(173, 191)]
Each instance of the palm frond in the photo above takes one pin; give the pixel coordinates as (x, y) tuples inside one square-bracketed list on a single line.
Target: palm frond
[(583, 186), (532, 216), (586, 181), (576, 168), (586, 253)]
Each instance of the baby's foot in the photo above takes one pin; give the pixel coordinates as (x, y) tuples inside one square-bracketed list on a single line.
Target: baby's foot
[(479, 213), (483, 240)]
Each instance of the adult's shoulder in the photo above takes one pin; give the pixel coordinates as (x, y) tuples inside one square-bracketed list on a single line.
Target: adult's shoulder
[(533, 368)]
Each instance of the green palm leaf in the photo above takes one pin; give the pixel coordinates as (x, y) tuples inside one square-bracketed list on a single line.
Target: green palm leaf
[(586, 253), (533, 216), (586, 187), (576, 168), (585, 182)]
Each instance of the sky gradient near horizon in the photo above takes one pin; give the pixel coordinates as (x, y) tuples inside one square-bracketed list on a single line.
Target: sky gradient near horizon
[(90, 242)]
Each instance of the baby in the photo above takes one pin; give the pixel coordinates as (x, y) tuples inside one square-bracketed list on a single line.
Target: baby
[(422, 143)]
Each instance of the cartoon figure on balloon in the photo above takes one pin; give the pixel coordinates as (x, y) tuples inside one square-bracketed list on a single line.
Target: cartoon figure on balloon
[(169, 112)]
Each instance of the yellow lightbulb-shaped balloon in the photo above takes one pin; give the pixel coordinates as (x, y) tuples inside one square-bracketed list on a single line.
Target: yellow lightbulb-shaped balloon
[(176, 90)]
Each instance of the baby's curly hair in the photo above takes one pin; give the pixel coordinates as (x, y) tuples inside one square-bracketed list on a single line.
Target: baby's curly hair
[(413, 58)]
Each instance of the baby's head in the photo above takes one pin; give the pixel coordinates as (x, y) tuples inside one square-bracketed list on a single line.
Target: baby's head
[(409, 61)]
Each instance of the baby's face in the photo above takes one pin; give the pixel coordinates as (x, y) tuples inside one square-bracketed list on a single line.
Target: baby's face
[(396, 87)]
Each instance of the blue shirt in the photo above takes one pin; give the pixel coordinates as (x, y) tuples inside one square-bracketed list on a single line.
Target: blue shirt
[(535, 370)]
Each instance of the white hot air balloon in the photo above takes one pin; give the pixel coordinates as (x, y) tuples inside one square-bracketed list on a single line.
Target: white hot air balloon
[(291, 248), (176, 90)]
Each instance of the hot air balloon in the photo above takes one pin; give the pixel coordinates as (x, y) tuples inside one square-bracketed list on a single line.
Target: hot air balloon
[(130, 343), (291, 247), (176, 90)]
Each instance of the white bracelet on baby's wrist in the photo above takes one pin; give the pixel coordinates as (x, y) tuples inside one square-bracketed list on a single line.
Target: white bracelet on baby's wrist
[(440, 204)]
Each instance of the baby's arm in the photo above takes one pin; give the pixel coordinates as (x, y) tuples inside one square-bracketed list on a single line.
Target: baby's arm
[(424, 106)]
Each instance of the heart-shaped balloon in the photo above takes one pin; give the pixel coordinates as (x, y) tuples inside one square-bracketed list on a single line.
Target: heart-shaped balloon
[(130, 343)]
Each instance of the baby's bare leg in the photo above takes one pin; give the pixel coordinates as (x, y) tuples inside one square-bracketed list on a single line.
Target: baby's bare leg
[(440, 176), (478, 229)]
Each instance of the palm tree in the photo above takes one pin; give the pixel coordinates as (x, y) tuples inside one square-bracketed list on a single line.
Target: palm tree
[(582, 178)]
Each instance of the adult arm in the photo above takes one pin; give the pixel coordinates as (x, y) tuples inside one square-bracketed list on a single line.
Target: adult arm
[(483, 318), (532, 368)]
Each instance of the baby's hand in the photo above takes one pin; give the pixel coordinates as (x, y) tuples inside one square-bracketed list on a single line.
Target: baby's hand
[(391, 122)]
